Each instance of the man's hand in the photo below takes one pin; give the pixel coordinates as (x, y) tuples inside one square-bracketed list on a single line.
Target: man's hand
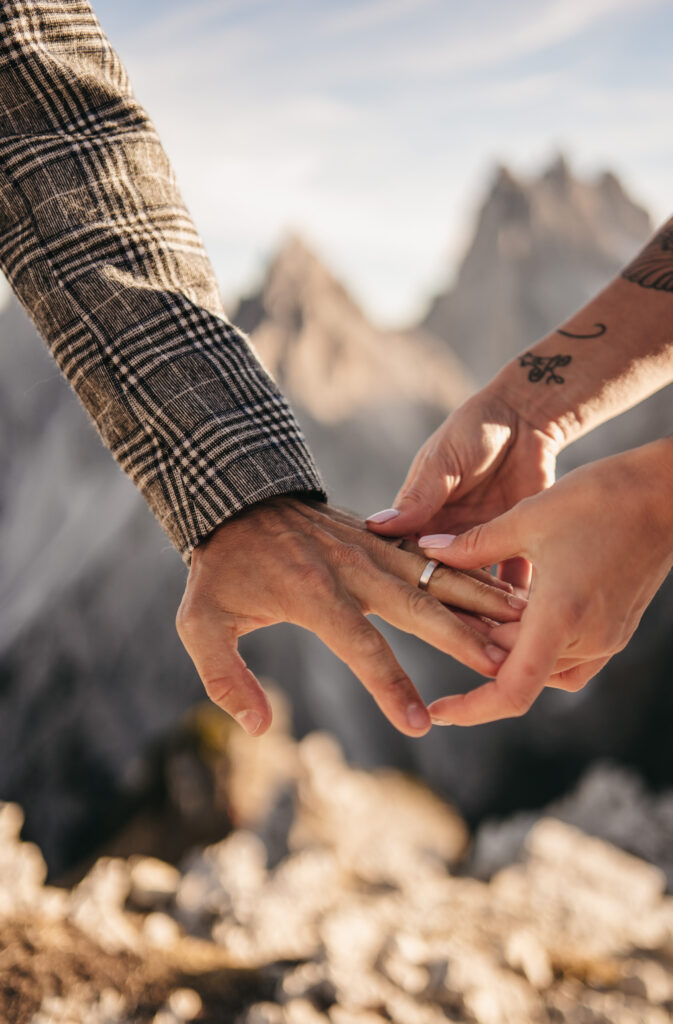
[(601, 542), (298, 561), (483, 460)]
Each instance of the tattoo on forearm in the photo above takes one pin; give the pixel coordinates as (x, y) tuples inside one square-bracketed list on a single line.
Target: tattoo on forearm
[(653, 267), (544, 367), (600, 329)]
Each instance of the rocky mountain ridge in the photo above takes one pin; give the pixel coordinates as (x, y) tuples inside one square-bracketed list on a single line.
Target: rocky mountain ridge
[(541, 248), (329, 357)]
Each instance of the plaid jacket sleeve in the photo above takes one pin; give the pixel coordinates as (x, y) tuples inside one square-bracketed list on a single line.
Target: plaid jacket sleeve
[(97, 244)]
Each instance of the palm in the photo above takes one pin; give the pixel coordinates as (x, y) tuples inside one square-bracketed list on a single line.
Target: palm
[(490, 459), (523, 466)]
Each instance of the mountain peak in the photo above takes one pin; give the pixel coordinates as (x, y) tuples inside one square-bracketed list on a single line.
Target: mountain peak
[(504, 179), (293, 253), (558, 173), (328, 356), (507, 200), (295, 281), (541, 248)]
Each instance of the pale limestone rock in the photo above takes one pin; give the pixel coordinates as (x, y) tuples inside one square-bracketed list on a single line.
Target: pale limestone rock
[(165, 1017), (596, 865), (341, 937), (22, 867), (301, 1011), (153, 882), (160, 930), (339, 1015), (353, 935), (185, 1003), (97, 905), (524, 952), (264, 1013)]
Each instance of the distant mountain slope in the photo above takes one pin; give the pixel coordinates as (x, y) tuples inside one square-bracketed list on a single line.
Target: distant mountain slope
[(540, 250), (331, 360), (90, 667)]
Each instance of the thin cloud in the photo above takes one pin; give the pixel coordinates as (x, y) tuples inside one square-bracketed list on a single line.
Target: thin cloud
[(539, 27), (192, 20), (379, 152), (373, 15)]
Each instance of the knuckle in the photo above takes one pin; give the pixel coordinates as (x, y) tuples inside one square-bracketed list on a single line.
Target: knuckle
[(620, 644), (571, 682), (415, 494), (349, 556), (606, 640), (187, 617), (517, 704), (366, 640), (313, 578), (219, 690), (419, 602), (472, 539), (571, 613), (394, 687)]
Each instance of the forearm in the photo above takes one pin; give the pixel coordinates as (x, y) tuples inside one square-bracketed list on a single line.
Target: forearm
[(97, 244), (607, 357)]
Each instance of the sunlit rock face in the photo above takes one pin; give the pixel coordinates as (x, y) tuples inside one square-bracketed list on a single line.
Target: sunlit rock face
[(330, 358), (540, 250), (90, 666)]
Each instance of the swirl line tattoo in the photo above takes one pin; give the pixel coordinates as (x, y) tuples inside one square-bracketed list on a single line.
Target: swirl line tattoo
[(600, 330), (544, 367), (653, 267)]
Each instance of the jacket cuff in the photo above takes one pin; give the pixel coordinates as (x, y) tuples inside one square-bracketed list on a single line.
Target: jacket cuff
[(212, 435)]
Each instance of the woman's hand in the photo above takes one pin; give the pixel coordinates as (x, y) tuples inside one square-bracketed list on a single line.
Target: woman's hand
[(287, 560), (601, 543), (483, 460)]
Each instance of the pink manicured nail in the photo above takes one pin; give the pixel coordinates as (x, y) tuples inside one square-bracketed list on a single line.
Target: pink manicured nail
[(437, 540), (517, 602), (496, 654), (417, 716), (384, 516), (250, 721)]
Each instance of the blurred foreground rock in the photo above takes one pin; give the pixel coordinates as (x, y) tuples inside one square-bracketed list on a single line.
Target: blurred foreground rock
[(336, 905), (610, 801)]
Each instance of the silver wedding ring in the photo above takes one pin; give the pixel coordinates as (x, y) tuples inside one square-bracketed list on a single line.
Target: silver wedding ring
[(428, 570)]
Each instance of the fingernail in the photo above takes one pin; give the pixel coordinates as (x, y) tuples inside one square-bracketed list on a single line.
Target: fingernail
[(517, 602), (437, 540), (384, 516), (250, 721), (438, 721), (417, 716), (496, 654)]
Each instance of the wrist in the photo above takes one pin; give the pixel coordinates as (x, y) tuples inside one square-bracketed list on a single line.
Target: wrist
[(547, 408), (654, 480), (607, 357)]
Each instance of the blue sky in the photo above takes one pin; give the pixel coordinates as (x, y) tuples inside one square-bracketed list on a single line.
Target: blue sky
[(372, 126)]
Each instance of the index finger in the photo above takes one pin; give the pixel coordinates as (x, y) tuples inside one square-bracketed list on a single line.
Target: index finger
[(520, 679)]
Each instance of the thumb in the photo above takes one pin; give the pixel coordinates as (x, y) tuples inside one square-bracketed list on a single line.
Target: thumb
[(483, 545), (226, 678), (426, 489)]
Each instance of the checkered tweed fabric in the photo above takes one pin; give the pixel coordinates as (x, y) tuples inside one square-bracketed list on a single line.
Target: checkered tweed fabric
[(100, 249)]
